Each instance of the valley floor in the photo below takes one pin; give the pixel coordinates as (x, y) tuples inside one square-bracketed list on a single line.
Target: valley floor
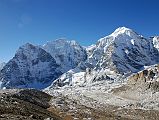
[(102, 101)]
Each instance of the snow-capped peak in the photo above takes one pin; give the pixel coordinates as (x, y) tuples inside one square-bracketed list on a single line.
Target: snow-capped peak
[(122, 47), (124, 31), (119, 36)]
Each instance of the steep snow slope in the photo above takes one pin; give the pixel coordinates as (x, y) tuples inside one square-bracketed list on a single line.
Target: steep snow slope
[(68, 54), (113, 57), (30, 67)]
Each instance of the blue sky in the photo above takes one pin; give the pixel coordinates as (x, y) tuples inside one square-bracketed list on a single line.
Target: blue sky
[(39, 21)]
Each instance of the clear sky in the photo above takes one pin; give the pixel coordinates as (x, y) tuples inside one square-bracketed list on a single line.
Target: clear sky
[(39, 21)]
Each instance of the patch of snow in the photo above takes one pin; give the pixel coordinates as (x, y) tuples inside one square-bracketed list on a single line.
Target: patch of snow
[(156, 42), (1, 84), (126, 51), (132, 42)]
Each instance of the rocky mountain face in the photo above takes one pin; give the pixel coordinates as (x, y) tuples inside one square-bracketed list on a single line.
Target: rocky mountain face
[(68, 54), (31, 67), (113, 57)]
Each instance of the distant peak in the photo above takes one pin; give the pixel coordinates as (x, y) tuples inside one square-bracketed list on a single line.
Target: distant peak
[(56, 41), (64, 40), (27, 46), (61, 40), (121, 33)]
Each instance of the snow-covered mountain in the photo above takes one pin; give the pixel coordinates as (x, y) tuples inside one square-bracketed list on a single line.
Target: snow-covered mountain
[(37, 67), (68, 54), (113, 57), (124, 51), (2, 65), (30, 67), (119, 73)]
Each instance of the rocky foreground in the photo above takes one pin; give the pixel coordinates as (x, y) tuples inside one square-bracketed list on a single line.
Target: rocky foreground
[(26, 104), (94, 104), (75, 104)]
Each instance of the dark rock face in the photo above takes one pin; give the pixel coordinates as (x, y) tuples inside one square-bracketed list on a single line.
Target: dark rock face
[(26, 104), (31, 67)]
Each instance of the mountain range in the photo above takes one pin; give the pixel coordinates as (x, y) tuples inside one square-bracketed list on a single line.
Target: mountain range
[(62, 62)]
